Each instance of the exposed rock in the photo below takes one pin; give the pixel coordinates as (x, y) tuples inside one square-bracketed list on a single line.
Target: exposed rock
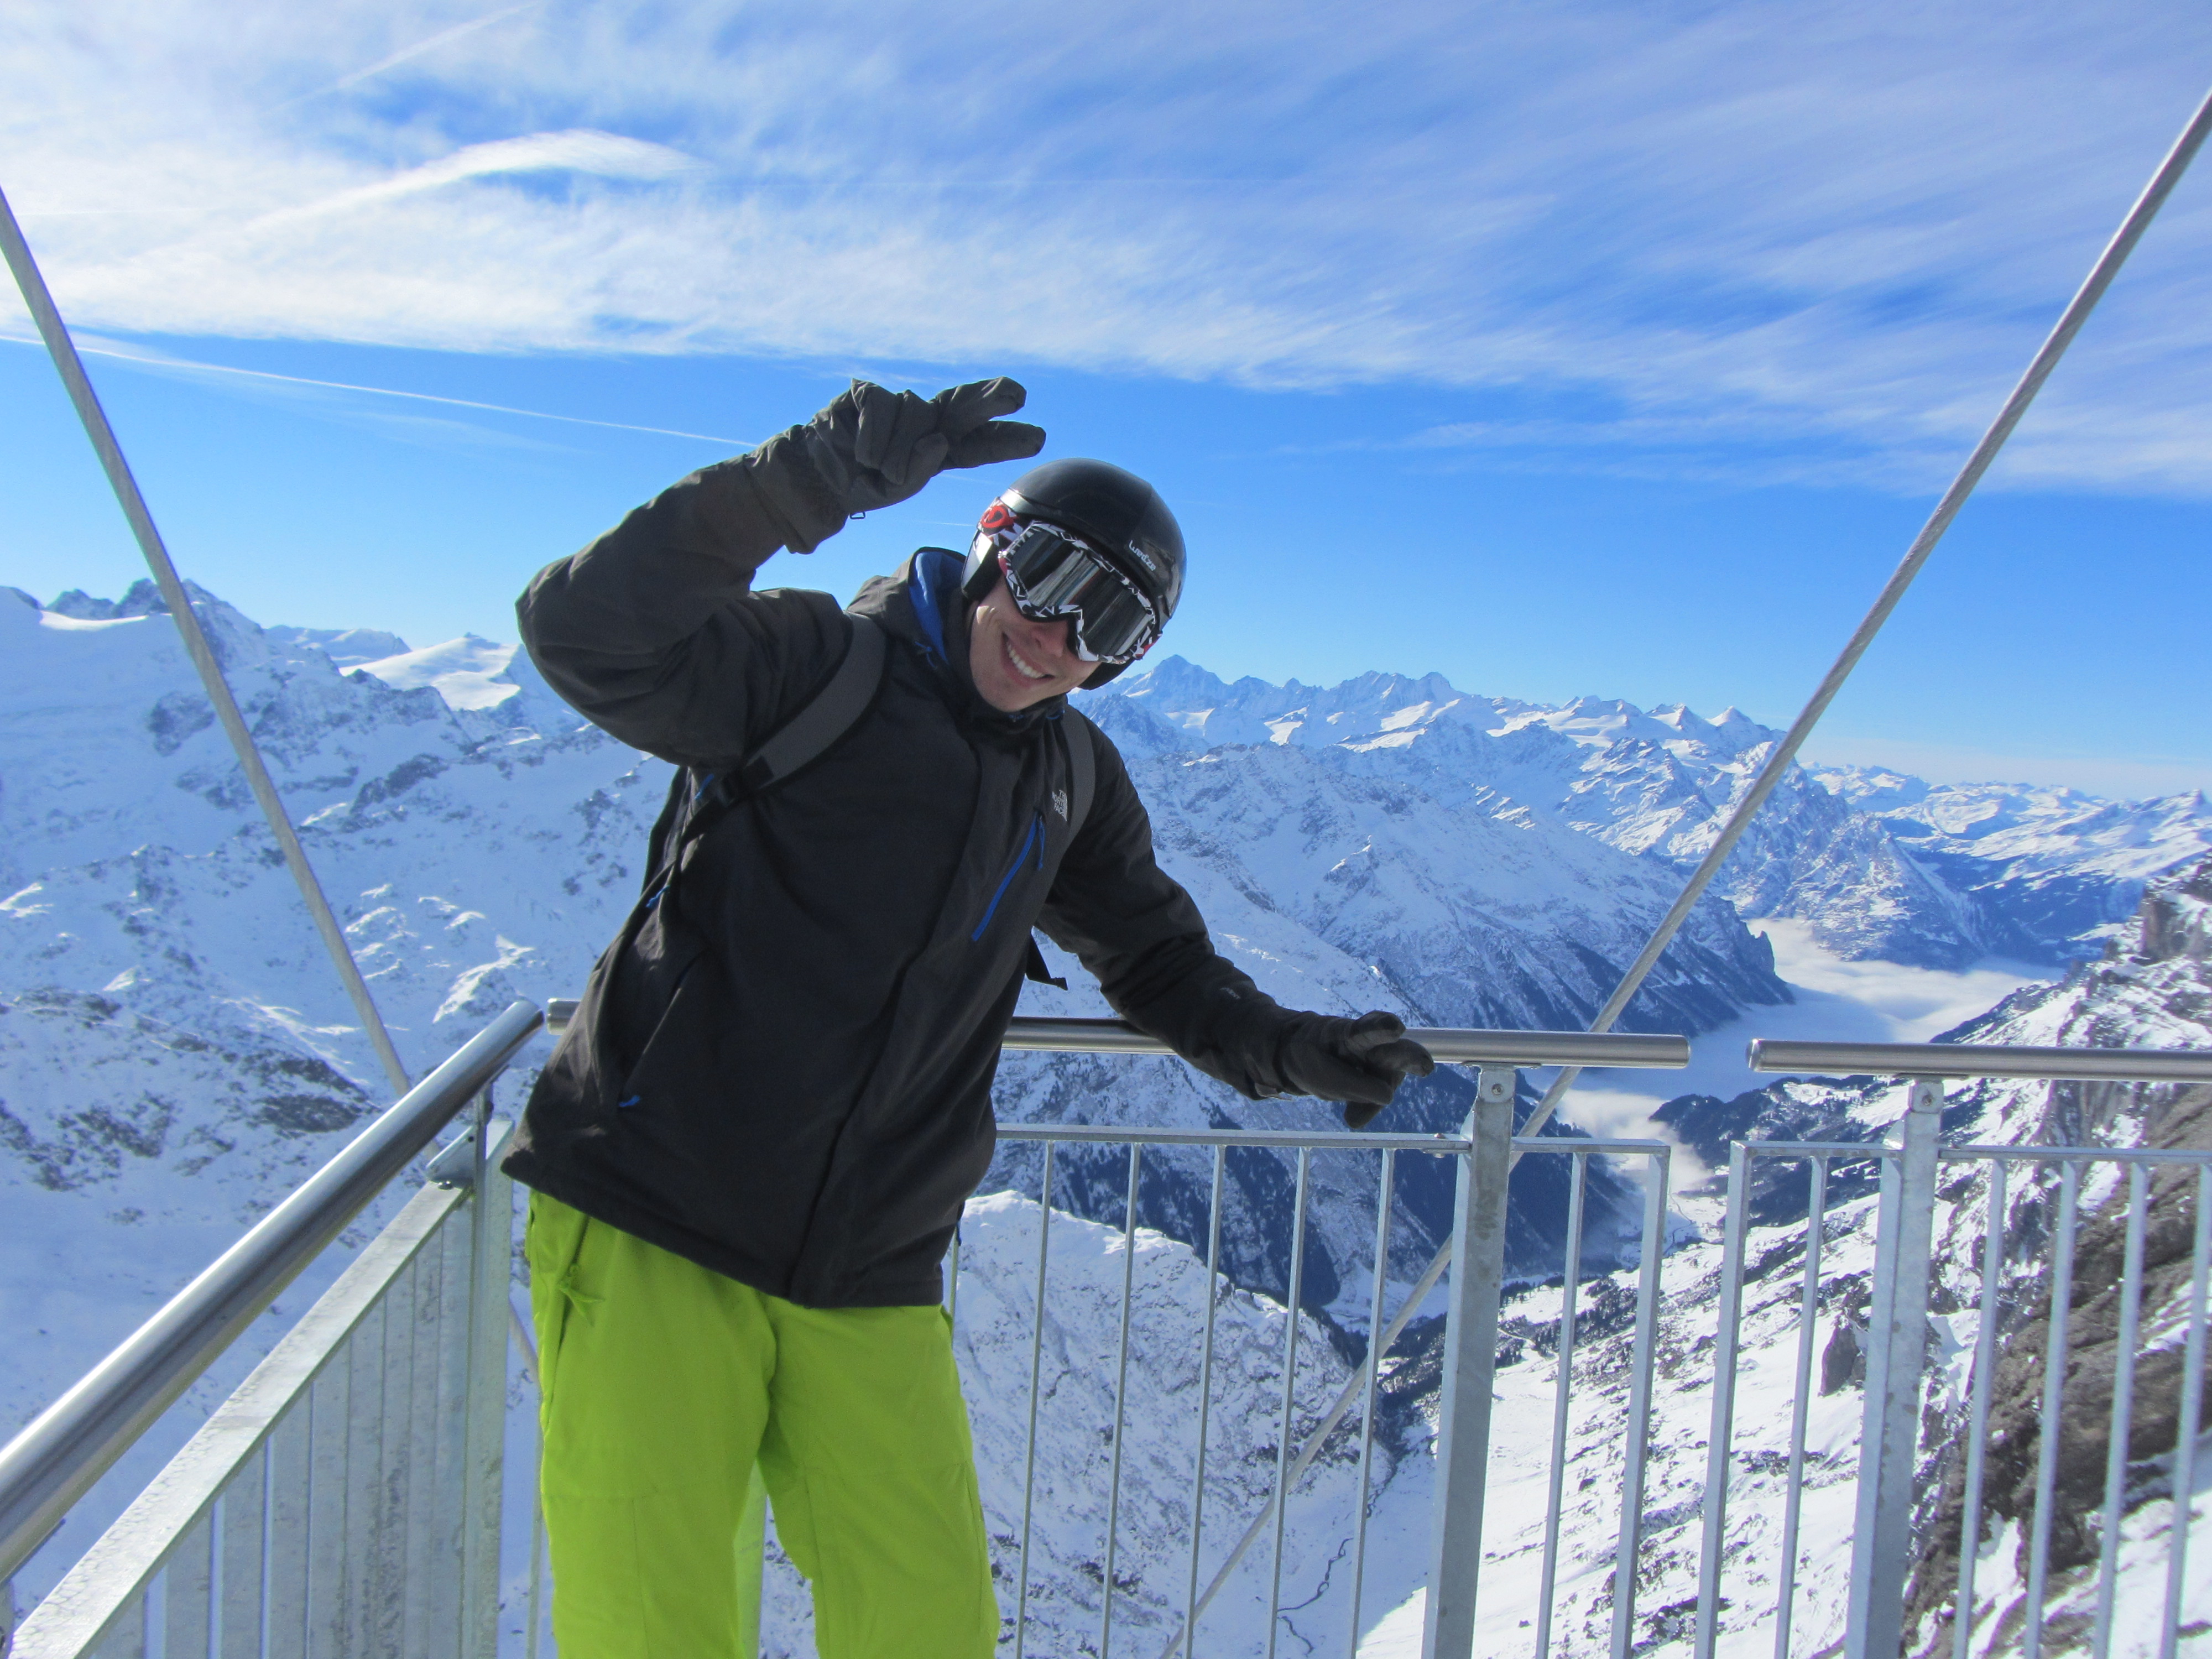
[(2169, 972)]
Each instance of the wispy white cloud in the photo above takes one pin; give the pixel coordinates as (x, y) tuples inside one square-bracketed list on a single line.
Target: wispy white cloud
[(1742, 241)]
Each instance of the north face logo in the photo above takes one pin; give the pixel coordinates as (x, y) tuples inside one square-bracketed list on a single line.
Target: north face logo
[(1059, 802)]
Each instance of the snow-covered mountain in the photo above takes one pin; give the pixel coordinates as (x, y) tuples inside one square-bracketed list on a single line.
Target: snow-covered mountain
[(480, 842), (174, 1051), (1883, 866), (2041, 866)]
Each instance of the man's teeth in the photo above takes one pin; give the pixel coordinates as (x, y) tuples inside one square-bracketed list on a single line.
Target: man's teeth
[(1027, 669)]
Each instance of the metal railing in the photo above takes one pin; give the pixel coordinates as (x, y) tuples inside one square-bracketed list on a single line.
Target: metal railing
[(1469, 1358), (344, 1500), (1210, 1549), (1896, 1483)]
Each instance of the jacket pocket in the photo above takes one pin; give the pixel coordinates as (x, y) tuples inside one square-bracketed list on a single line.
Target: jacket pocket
[(1033, 843), (642, 989)]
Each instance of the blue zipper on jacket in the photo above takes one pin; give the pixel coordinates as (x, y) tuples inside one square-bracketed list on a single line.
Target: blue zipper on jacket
[(1036, 838)]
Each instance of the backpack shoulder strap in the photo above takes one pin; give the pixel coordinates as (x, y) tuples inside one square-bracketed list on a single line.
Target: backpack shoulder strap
[(827, 715), (1082, 785), (1083, 767)]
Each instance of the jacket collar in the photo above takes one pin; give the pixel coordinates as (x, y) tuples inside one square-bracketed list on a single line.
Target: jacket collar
[(924, 605)]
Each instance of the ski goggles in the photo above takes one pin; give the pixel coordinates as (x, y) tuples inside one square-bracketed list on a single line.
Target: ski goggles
[(1053, 573)]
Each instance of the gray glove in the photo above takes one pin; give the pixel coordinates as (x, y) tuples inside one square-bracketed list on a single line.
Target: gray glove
[(1360, 1061), (872, 447)]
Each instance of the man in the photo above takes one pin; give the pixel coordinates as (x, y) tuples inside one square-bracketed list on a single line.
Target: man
[(750, 1150)]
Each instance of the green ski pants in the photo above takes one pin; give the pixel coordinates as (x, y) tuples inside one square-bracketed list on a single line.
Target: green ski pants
[(665, 1384)]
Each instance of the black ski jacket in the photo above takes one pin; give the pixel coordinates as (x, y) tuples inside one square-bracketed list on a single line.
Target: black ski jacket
[(781, 1069)]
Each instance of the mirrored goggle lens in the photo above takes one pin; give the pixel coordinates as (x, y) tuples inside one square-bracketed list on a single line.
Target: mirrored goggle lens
[(1052, 574)]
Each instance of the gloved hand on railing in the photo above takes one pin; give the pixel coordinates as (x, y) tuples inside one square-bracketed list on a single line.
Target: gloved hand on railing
[(1360, 1062), (873, 446)]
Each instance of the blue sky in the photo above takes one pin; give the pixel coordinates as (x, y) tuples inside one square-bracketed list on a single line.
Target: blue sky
[(1565, 349)]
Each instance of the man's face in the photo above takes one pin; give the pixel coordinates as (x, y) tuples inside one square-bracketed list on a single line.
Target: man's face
[(1016, 662)]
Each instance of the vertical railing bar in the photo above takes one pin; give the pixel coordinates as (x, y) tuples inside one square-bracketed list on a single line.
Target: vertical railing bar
[(242, 1546), (1896, 1358), (392, 1598), (448, 1600), (1719, 1451), (288, 1531), (1808, 1320), (1978, 1423), (363, 1437), (1290, 1398), (421, 1567), (2054, 1395), (533, 1643), (261, 1646), (2122, 1418), (1037, 1361), (215, 1566), (2192, 1418), (1562, 1390), (1384, 1181), (1639, 1408), (1188, 1636), (952, 1278), (1121, 1396), (1466, 1402), (328, 1427), (488, 1313), (187, 1614)]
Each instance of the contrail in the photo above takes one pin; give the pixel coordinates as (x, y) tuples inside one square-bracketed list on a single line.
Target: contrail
[(415, 50), (152, 361)]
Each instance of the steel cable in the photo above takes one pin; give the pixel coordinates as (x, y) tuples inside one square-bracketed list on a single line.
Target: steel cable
[(71, 367)]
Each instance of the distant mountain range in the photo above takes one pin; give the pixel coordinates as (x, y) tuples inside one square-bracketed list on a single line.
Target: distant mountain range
[(1883, 866)]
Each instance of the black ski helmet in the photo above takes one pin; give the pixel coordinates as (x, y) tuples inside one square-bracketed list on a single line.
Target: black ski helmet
[(1115, 511)]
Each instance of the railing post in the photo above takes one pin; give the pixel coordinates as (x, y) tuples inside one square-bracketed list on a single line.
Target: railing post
[(1470, 1368), (492, 1222), (1719, 1442), (1896, 1352)]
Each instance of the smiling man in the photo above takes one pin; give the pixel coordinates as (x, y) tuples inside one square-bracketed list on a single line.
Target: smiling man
[(750, 1153)]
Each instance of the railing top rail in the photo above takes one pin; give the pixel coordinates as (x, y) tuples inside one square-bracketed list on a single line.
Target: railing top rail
[(55, 1459), (1319, 1140), (1452, 1044), (1964, 1060), (1662, 1051), (1844, 1149), (2077, 1154)]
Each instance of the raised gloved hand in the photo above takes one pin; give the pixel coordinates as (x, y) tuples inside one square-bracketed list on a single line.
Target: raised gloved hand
[(873, 446), (1359, 1062)]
